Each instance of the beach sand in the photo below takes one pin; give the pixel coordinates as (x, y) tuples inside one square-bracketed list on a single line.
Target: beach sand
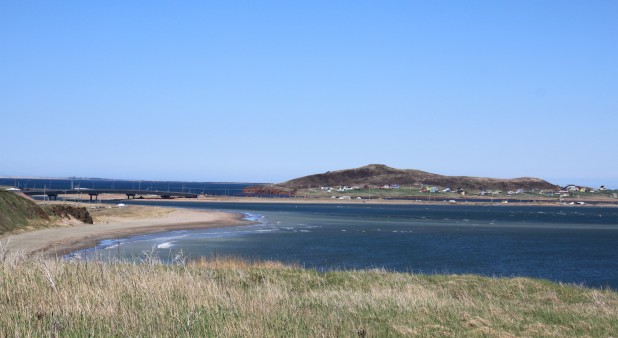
[(116, 223)]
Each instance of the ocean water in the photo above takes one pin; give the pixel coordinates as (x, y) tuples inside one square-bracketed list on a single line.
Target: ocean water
[(563, 244), (210, 188)]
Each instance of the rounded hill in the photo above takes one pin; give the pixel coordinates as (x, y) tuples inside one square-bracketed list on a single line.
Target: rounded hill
[(380, 175)]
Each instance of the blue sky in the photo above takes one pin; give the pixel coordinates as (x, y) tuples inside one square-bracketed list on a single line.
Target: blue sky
[(265, 91)]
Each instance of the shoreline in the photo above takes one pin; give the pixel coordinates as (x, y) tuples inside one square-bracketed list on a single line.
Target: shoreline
[(278, 200), (413, 200), (59, 241)]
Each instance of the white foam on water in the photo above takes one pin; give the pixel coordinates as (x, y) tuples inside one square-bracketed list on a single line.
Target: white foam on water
[(165, 245), (254, 217)]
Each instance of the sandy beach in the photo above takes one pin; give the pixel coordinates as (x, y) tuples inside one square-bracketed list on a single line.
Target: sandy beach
[(112, 223)]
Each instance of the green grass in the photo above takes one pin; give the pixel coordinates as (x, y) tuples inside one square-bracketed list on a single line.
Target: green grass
[(17, 212), (235, 298)]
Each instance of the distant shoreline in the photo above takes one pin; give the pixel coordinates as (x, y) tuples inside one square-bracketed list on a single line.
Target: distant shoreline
[(441, 201)]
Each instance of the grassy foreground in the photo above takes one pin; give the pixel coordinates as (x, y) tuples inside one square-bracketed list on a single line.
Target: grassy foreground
[(45, 297)]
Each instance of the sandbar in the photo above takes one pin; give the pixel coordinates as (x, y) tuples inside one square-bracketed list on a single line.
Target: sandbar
[(62, 240)]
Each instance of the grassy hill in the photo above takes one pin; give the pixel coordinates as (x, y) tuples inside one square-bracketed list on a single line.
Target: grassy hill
[(17, 212), (379, 175), (235, 299)]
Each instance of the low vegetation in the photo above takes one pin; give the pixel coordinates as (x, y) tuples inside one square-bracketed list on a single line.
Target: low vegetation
[(17, 212), (46, 297)]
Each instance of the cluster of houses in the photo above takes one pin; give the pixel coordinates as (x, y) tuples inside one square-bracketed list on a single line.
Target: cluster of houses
[(423, 189), (577, 188), (563, 192), (499, 192), (356, 187), (436, 189)]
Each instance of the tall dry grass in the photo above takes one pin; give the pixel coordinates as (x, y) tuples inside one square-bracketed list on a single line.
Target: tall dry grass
[(227, 297)]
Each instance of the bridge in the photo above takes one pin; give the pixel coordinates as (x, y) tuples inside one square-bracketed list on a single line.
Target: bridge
[(94, 193)]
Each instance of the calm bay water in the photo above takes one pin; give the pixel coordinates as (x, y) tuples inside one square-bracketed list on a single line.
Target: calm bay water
[(564, 244)]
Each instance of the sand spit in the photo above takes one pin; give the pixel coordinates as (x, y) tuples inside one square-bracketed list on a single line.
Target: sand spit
[(116, 223)]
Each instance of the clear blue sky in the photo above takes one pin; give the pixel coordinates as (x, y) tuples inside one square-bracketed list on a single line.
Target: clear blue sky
[(265, 91)]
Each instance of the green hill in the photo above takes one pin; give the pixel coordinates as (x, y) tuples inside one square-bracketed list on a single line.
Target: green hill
[(17, 212)]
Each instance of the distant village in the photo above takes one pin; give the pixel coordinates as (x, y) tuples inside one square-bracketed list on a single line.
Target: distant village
[(567, 191)]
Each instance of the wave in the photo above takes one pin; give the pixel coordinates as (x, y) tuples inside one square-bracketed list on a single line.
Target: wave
[(165, 245), (254, 217)]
